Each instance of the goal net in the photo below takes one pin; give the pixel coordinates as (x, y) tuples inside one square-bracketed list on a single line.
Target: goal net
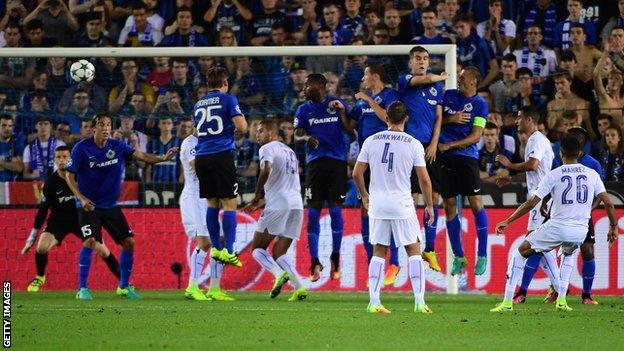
[(150, 93)]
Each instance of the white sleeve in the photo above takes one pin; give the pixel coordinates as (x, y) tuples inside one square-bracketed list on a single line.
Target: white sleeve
[(518, 55), (481, 29), (599, 187), (157, 36), (26, 155), (123, 36), (551, 58), (419, 155), (545, 186), (363, 156)]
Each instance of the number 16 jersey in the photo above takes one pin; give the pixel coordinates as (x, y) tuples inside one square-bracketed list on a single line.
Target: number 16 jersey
[(212, 116), (391, 157)]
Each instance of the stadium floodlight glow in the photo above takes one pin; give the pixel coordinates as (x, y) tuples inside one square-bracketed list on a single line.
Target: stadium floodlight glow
[(448, 50)]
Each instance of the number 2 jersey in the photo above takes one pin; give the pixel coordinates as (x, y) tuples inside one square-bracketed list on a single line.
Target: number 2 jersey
[(212, 116), (573, 188), (391, 157), (282, 190)]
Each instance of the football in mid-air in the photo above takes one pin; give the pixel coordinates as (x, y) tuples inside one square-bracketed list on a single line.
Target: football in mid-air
[(82, 71)]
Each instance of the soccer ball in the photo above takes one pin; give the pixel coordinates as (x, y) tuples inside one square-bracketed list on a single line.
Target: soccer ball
[(82, 71)]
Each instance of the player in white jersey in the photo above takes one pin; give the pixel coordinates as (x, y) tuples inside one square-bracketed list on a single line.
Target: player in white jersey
[(572, 187), (538, 158), (391, 156), (278, 184), (193, 212)]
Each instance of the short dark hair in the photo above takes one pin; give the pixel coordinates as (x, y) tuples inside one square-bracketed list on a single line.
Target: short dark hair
[(62, 148), (580, 134), (531, 113), (100, 116), (34, 23), (325, 28), (568, 55), (569, 114), (381, 26), (278, 25), (570, 146), (616, 28), (378, 69), (183, 60), (491, 125), (564, 74), (397, 112), (270, 124), (317, 78), (510, 58), (463, 17), (600, 116), (140, 5), (215, 77), (495, 1), (6, 116), (578, 25), (522, 71), (184, 9), (430, 9), (417, 49)]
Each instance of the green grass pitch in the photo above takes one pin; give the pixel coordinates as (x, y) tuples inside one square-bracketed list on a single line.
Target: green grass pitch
[(165, 320)]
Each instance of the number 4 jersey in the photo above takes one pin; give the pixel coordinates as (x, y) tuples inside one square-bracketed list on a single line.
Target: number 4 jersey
[(213, 115), (573, 188), (391, 157)]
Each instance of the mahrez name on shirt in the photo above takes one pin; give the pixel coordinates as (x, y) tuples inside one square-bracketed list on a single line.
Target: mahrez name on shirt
[(575, 169)]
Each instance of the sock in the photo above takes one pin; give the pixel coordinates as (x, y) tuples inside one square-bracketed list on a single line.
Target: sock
[(430, 230), (481, 222), (112, 264), (198, 258), (314, 230), (514, 274), (263, 257), (568, 263), (530, 267), (337, 226), (589, 270), (229, 229), (41, 261), (453, 228), (84, 264), (126, 258), (285, 263), (214, 228), (549, 263), (394, 252), (375, 276), (366, 238), (416, 272), (216, 269)]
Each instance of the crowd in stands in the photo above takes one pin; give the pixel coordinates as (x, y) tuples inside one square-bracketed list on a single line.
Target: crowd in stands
[(564, 58)]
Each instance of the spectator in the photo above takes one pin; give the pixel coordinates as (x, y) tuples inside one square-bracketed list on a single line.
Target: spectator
[(306, 24), (227, 38), (582, 85), (181, 82), (415, 16), (473, 50), (161, 75), (287, 132), (278, 82), (489, 168), (155, 20), (506, 124), (393, 21), (263, 19), (431, 35), (526, 97), (80, 110), (63, 132), (97, 97), (60, 24), (497, 31), (616, 21), (352, 20), (381, 35), (562, 39), (141, 33), (39, 102), (11, 150), (333, 83), (35, 35), (353, 68), (586, 56), (603, 122), (130, 135), (539, 59), (185, 128), (246, 162), (14, 14), (331, 18), (506, 89), (324, 63), (38, 157), (169, 171), (108, 73), (16, 72), (616, 48), (541, 14), (610, 98), (168, 103), (93, 35), (612, 156), (371, 20), (121, 94), (447, 11), (565, 100), (206, 64), (184, 34), (246, 86), (294, 96), (82, 9), (228, 13), (39, 83), (58, 77)]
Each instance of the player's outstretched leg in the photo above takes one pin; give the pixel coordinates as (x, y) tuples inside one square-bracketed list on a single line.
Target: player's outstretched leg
[(337, 226), (197, 263), (568, 263), (588, 269), (429, 254), (109, 258), (44, 245), (314, 230), (84, 265), (214, 291), (416, 272), (393, 265), (515, 269)]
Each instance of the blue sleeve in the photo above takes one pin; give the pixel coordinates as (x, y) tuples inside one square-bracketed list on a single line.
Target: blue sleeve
[(403, 81), (486, 51), (300, 118), (558, 33), (126, 150), (233, 107), (590, 29), (356, 112), (150, 147), (392, 96), (482, 110), (440, 87), (346, 106), (77, 159), (598, 168), (167, 41)]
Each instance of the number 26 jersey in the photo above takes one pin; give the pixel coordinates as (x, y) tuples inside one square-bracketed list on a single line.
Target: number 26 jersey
[(212, 116)]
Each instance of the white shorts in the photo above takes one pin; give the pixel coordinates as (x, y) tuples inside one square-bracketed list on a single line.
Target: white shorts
[(551, 235), (405, 231), (535, 218), (284, 223), (193, 211)]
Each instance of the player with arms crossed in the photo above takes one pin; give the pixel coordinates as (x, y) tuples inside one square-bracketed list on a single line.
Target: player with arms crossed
[(465, 115), (217, 115), (422, 95), (392, 156), (572, 187), (538, 158), (369, 114), (63, 220), (321, 121), (282, 217), (98, 165)]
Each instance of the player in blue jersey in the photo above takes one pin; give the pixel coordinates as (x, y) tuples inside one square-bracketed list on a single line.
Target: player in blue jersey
[(321, 121), (217, 116), (465, 115), (95, 177), (422, 95), (370, 116)]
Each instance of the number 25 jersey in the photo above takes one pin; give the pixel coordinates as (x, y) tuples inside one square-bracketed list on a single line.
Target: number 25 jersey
[(212, 116)]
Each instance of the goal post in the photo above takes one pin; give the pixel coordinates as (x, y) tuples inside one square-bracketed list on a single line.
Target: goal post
[(448, 51)]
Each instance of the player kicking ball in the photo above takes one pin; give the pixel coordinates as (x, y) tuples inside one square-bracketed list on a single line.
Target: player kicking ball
[(63, 220), (572, 187), (392, 155), (278, 184)]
